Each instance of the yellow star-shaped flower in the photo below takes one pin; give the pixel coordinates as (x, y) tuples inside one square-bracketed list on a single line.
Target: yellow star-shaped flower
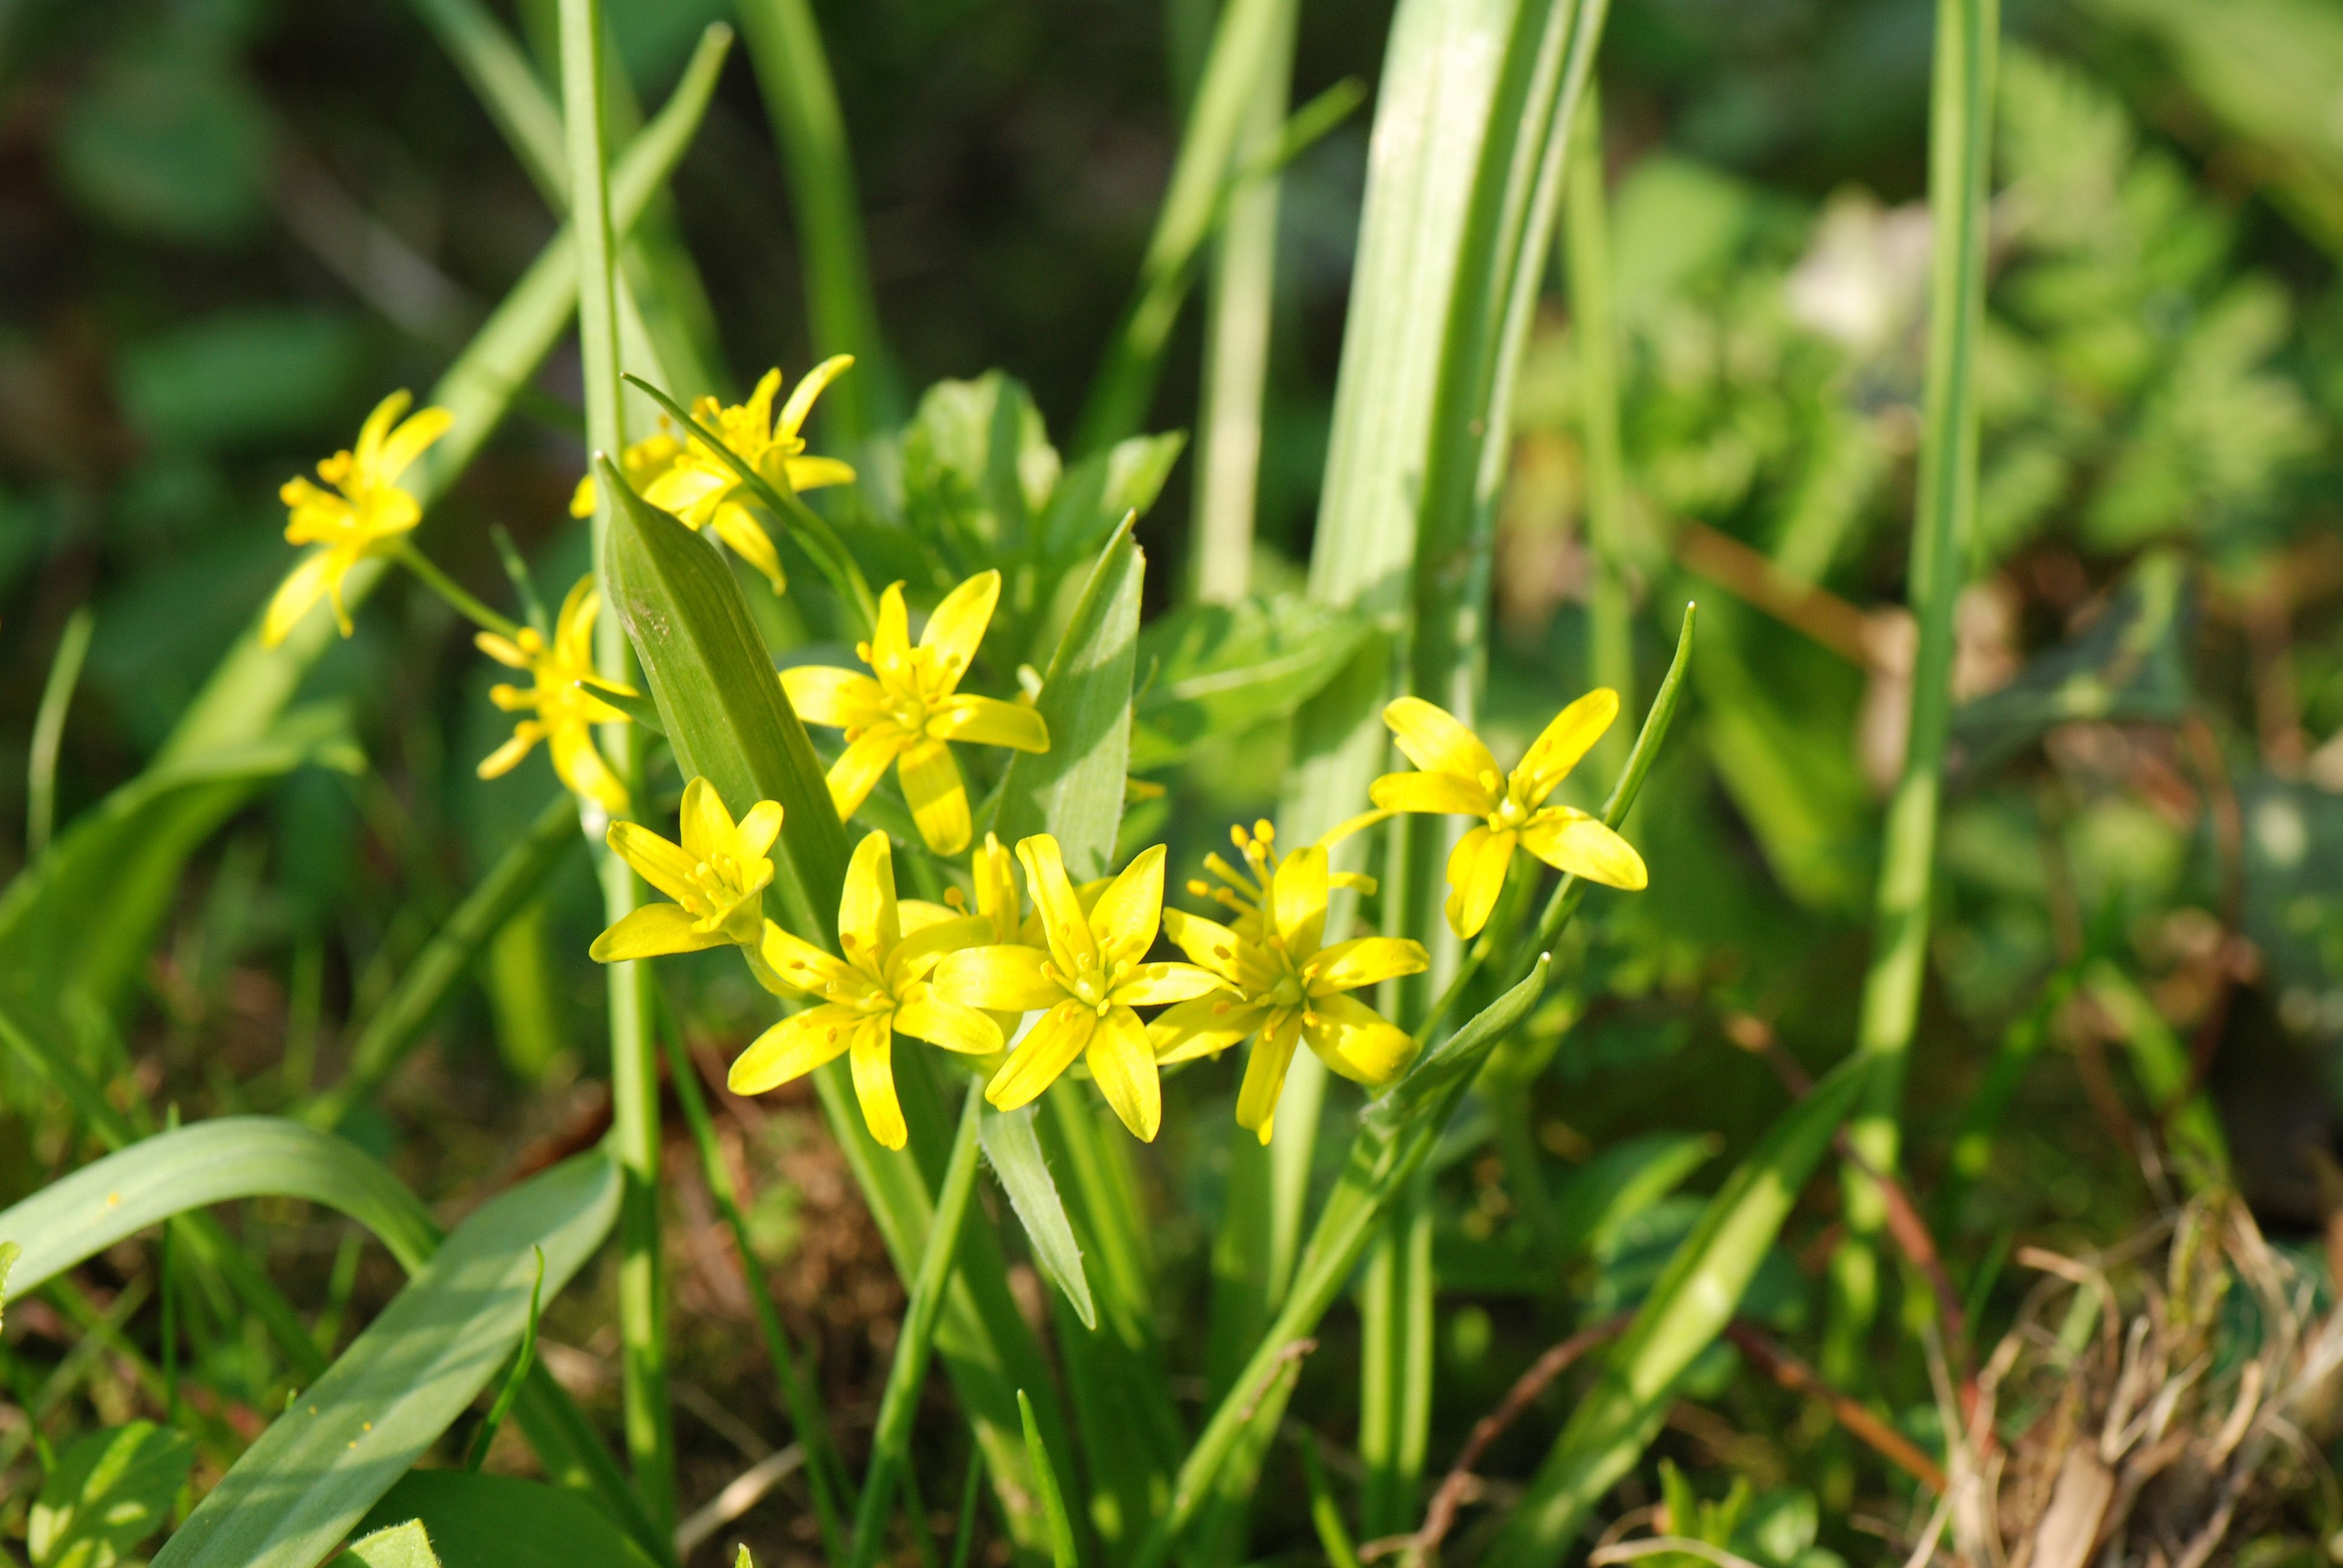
[(365, 514), (1287, 987), (566, 710), (877, 991), (1244, 892), (717, 877), (1458, 776), (909, 706), (688, 477), (1087, 977)]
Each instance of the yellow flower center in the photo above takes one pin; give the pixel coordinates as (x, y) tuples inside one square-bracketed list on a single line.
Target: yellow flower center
[(719, 880), (908, 710), (1509, 815), (1088, 985)]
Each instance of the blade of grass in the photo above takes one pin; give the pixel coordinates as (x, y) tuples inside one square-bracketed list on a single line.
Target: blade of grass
[(793, 74), (1053, 1500), (397, 1023), (49, 730), (907, 1374), (523, 1360), (634, 1065), (1014, 1153)]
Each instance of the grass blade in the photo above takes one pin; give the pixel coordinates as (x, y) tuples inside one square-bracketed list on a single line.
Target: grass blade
[(524, 1359), (322, 1464), (1014, 1153), (1690, 1305), (48, 733), (1053, 1500)]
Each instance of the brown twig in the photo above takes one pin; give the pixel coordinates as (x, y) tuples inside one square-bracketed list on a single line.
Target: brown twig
[(1799, 1378), (1752, 576)]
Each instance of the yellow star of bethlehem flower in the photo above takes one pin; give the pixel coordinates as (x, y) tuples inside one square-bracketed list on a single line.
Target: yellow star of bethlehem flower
[(566, 710), (688, 477), (1087, 977), (1287, 987), (909, 706), (365, 514), (717, 877), (1459, 777), (1245, 893), (877, 991)]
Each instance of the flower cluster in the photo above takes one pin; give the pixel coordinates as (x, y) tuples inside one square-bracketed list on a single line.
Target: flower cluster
[(364, 513)]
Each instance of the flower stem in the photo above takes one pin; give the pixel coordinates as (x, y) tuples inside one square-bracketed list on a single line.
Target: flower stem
[(901, 1403), (446, 587)]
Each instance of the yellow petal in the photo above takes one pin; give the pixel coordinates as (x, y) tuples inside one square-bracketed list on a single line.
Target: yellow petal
[(859, 769), (1063, 924), (1264, 1077), (506, 757), (1476, 875), (1356, 1041), (573, 628), (1130, 911), (691, 492), (926, 941), (1003, 977), (939, 801), (757, 411), (989, 721), (1368, 961), (503, 649), (841, 698), (1574, 841), (298, 594), (650, 932), (657, 861), (874, 1082), (1205, 1027), (891, 641), (793, 1048), (802, 396), (1573, 733), (1299, 900), (706, 826), (754, 838), (958, 625), (377, 428), (582, 498), (411, 440), (747, 537), (806, 968), (1435, 741), (581, 766), (926, 1016), (1151, 985), (1442, 792), (1207, 942), (868, 924), (994, 871), (817, 473), (1350, 825), (1123, 1065), (1049, 1048)]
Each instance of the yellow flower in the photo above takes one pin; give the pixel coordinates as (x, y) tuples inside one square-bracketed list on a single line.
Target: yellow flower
[(906, 710), (688, 477), (1087, 977), (717, 878), (878, 990), (566, 710), (365, 514), (1458, 776), (1286, 987), (1243, 892)]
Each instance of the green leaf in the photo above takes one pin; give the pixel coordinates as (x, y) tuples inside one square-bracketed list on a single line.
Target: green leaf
[(402, 1383), (171, 140), (9, 1252), (1015, 1154), (406, 1545), (500, 1522), (1098, 492), (1621, 1182), (245, 375), (719, 697), (1074, 790), (1694, 1298), (1218, 669), (1053, 1501), (108, 1492), (977, 468)]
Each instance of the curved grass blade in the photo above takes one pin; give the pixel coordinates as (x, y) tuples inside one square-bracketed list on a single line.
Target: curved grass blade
[(1053, 1499), (48, 733), (1014, 1153), (1691, 1305), (523, 1360), (402, 1383)]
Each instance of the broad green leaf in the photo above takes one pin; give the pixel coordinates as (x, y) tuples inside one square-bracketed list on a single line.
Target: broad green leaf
[(1015, 1155), (1053, 1500), (171, 140), (1218, 669), (1692, 1303), (1621, 1182), (1098, 492), (205, 1162), (977, 467), (402, 1383), (1074, 790), (406, 1545), (719, 699), (108, 1492), (500, 1522)]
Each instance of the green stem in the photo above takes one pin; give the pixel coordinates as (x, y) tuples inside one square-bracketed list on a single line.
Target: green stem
[(891, 1441), (825, 1472), (447, 588), (48, 733), (1586, 249), (634, 1067)]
